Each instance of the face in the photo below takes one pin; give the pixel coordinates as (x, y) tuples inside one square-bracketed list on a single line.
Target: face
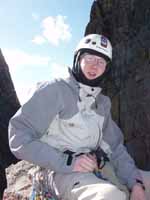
[(92, 66)]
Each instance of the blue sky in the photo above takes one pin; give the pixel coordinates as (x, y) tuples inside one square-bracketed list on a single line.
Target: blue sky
[(38, 38)]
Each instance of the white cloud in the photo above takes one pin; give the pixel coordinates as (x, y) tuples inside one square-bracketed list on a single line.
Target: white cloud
[(18, 58), (38, 40), (55, 29), (58, 70), (23, 92)]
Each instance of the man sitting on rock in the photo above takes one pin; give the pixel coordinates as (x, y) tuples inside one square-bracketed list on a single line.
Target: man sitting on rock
[(66, 126)]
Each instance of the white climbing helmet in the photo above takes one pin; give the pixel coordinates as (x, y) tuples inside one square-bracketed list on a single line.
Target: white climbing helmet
[(95, 42)]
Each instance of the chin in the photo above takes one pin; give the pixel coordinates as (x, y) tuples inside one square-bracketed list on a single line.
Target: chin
[(92, 78)]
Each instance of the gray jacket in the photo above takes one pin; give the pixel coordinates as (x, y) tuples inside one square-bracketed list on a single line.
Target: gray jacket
[(65, 115)]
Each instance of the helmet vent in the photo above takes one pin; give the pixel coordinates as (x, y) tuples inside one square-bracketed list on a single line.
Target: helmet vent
[(94, 43), (87, 41)]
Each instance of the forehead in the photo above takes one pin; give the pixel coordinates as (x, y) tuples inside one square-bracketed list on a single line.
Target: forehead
[(87, 55)]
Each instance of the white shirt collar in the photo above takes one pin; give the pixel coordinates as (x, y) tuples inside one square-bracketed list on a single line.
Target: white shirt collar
[(88, 90)]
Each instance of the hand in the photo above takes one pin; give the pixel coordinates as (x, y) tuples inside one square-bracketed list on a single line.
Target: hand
[(138, 193), (85, 163)]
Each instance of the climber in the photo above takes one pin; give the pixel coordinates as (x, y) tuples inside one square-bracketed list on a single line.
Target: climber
[(67, 119)]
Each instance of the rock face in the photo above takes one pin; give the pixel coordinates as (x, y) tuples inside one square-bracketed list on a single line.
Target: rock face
[(9, 104), (127, 24), (19, 182)]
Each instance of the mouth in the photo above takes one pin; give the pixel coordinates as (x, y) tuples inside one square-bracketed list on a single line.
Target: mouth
[(92, 74)]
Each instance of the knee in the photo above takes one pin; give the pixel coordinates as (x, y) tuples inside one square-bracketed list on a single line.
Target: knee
[(113, 193)]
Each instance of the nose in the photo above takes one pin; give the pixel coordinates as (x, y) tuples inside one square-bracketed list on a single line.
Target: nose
[(95, 63)]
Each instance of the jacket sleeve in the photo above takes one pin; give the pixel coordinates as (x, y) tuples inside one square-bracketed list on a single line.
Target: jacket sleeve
[(123, 163), (31, 122)]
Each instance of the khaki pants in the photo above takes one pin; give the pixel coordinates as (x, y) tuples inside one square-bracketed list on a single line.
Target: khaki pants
[(86, 186)]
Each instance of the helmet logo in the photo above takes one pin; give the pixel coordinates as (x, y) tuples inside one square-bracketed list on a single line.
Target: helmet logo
[(103, 41)]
